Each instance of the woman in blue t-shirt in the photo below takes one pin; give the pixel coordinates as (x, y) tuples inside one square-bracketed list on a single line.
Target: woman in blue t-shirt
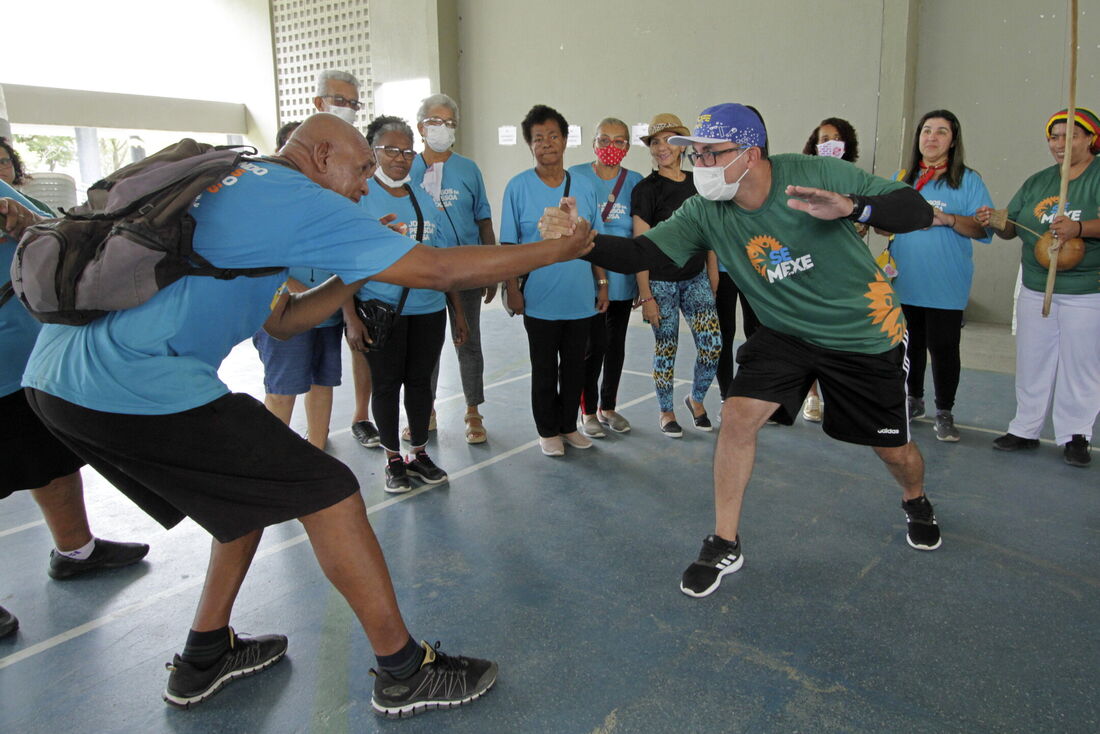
[(557, 301), (416, 339), (935, 265)]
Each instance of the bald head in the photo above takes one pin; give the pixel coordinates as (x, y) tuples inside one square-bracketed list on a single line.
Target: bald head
[(332, 153)]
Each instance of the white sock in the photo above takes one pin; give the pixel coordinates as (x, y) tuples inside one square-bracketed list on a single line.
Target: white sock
[(80, 554)]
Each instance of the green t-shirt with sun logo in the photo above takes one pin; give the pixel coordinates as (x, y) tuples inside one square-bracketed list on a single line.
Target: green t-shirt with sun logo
[(1035, 205), (809, 278)]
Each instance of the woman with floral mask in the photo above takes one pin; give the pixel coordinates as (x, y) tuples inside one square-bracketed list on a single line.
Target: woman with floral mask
[(455, 184), (557, 301), (935, 265), (665, 292), (607, 335), (836, 138)]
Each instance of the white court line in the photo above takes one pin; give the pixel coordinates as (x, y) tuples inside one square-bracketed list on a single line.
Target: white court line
[(20, 528), (52, 642)]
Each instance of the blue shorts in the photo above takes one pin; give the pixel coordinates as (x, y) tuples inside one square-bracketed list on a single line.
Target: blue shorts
[(291, 367)]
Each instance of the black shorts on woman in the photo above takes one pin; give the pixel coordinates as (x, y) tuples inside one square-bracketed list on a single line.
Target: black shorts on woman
[(866, 393)]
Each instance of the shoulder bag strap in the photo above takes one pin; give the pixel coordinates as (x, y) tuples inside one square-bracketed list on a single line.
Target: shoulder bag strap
[(614, 195)]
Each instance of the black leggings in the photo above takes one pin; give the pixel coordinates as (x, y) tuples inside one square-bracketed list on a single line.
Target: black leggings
[(407, 360), (606, 353), (557, 372), (725, 300), (935, 331)]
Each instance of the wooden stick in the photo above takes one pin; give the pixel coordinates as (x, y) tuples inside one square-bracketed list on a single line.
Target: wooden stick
[(1071, 110)]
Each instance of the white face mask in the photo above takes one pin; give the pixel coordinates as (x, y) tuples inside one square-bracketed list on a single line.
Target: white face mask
[(346, 114), (831, 148), (439, 138), (711, 184), (381, 176)]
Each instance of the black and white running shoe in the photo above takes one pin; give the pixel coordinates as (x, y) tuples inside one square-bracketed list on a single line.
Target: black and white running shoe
[(717, 558)]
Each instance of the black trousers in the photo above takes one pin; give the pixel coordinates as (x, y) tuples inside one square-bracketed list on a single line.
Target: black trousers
[(725, 300), (557, 372), (606, 352), (937, 331), (406, 361)]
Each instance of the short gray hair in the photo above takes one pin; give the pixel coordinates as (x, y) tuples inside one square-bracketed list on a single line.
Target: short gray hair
[(436, 100), (387, 124), (336, 75), (614, 121)]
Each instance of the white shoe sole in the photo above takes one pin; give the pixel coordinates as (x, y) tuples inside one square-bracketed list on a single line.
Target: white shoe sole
[(403, 712), (735, 566), (922, 547), (184, 702)]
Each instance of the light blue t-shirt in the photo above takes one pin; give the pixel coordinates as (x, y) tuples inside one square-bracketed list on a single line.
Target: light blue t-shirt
[(618, 223), (437, 233), (462, 194), (163, 356), (561, 291), (311, 278), (935, 265), (18, 329)]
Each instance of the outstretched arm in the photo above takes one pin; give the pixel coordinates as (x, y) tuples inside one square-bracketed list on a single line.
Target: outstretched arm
[(901, 210)]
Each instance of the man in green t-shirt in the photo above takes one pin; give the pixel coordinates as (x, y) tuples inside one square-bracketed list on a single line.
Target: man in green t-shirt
[(783, 227)]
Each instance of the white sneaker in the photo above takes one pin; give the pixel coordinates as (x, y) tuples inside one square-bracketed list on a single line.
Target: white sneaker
[(590, 426), (576, 440), (813, 409), (552, 446)]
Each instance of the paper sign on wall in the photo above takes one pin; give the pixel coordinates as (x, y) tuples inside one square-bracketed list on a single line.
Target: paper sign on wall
[(637, 131), (506, 135), (574, 139)]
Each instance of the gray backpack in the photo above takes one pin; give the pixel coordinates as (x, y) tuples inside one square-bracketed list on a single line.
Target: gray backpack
[(132, 237)]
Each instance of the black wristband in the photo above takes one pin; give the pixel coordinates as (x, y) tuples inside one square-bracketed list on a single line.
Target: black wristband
[(861, 212)]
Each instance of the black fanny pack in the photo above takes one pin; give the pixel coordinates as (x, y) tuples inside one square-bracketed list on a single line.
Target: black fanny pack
[(377, 315)]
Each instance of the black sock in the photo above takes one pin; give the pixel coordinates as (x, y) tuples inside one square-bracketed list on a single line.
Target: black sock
[(403, 663), (204, 648)]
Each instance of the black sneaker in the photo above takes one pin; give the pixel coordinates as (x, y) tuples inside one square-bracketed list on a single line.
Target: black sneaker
[(423, 467), (443, 682), (717, 558), (106, 554), (1012, 442), (8, 622), (189, 685), (922, 531), (672, 429), (916, 408), (366, 434), (702, 422), (1077, 451), (397, 480)]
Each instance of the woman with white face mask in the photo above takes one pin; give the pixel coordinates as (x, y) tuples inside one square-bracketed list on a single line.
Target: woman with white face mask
[(455, 184), (666, 291)]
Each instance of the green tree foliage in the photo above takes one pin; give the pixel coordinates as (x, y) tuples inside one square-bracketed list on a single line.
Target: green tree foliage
[(50, 150)]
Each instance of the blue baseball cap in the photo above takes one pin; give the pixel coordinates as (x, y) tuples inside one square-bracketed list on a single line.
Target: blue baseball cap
[(729, 122)]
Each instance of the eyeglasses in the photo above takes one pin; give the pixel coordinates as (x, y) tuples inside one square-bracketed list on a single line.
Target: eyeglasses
[(5, 161), (393, 151), (437, 121), (709, 157), (341, 101), (621, 143)]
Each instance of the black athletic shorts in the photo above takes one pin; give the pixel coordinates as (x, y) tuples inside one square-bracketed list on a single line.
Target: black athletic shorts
[(229, 465), (864, 394), (30, 456)]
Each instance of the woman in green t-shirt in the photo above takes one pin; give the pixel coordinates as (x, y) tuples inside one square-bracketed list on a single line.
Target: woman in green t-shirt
[(1059, 354)]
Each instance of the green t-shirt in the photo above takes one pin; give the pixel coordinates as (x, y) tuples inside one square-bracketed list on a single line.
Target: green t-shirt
[(809, 278), (1035, 205)]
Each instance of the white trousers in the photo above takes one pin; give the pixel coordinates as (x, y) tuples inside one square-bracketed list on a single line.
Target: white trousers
[(1057, 355)]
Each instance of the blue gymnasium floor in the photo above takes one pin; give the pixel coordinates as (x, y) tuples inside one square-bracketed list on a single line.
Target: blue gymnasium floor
[(566, 571)]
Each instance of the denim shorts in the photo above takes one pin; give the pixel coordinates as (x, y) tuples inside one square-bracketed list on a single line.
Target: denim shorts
[(291, 367)]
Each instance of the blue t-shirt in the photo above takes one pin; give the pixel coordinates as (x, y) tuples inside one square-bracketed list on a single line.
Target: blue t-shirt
[(311, 278), (935, 265), (462, 194), (619, 222), (561, 291), (163, 356), (437, 233), (18, 329)]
